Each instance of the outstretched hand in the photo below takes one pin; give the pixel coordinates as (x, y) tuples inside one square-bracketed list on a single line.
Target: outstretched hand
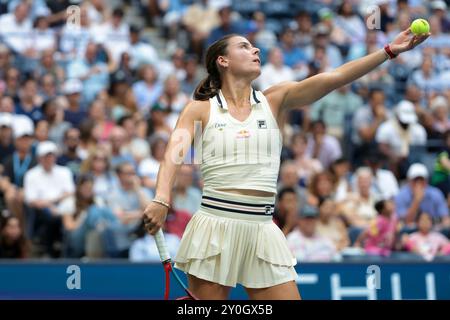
[(406, 40)]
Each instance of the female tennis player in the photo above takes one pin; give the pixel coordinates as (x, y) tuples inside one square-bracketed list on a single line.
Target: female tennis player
[(232, 238)]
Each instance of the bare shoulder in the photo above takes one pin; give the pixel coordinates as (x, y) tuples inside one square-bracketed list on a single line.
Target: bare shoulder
[(196, 110)]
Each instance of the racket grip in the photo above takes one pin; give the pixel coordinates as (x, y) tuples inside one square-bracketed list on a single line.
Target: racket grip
[(162, 246)]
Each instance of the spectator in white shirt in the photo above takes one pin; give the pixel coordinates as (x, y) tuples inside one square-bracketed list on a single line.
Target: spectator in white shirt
[(274, 71), (305, 242), (49, 190), (397, 135), (141, 52), (75, 38)]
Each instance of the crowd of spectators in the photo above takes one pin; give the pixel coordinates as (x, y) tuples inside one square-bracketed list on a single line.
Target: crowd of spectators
[(87, 105)]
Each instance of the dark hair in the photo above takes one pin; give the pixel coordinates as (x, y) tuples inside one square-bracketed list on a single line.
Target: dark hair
[(210, 86), (284, 191), (118, 12), (20, 248), (379, 206), (81, 203)]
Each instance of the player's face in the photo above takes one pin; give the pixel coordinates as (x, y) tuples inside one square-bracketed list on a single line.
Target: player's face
[(242, 58)]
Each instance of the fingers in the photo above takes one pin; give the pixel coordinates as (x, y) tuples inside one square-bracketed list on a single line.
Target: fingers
[(407, 31), (151, 225)]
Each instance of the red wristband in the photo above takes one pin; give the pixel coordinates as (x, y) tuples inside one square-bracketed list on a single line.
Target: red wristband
[(388, 50)]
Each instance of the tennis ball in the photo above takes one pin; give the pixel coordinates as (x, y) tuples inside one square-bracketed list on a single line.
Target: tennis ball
[(420, 26)]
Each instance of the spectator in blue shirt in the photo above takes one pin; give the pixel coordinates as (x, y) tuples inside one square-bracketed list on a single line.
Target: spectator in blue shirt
[(74, 114), (226, 26), (418, 196)]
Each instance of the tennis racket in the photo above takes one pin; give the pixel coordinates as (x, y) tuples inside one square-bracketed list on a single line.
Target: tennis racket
[(168, 269)]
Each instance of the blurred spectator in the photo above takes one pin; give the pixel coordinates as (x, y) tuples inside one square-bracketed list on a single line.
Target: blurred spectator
[(158, 121), (322, 146), (226, 26), (200, 19), (13, 244), (185, 195), (426, 77), (15, 27), (103, 126), (12, 81), (88, 142), (321, 39), (305, 165), (5, 59), (6, 134), (148, 89), (293, 56), (119, 155), (174, 67), (440, 109), (49, 66), (121, 99), (397, 135), (98, 165), (287, 206), (305, 242), (425, 241), (91, 70), (193, 75), (69, 157), (148, 168), (41, 131), (114, 35), (141, 52), (74, 114), (75, 38), (366, 121), (274, 71), (350, 23), (48, 89), (358, 208), (265, 39), (340, 169), (417, 196), (54, 115), (331, 226), (289, 179), (371, 42), (97, 11), (127, 199), (87, 218), (379, 237), (49, 191), (334, 108), (384, 183), (439, 9), (42, 37), (172, 99), (303, 29), (15, 167), (321, 186)]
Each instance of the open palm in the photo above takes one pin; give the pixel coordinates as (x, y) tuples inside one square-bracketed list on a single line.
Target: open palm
[(406, 40)]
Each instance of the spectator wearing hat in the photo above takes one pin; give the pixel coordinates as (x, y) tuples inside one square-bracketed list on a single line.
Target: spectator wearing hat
[(6, 136), (305, 242), (49, 190), (16, 166), (74, 114), (417, 195), (398, 135)]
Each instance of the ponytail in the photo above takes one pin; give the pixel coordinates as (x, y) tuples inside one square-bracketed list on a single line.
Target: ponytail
[(211, 85), (207, 88)]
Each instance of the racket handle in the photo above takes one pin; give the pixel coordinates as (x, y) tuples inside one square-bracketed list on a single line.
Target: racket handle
[(162, 246)]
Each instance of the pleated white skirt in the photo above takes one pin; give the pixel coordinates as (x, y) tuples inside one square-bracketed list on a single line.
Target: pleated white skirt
[(229, 248)]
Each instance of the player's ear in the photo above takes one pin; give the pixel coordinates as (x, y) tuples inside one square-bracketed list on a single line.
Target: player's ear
[(222, 61)]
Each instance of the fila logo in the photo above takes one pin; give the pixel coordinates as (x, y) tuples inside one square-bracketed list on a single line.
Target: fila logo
[(262, 124)]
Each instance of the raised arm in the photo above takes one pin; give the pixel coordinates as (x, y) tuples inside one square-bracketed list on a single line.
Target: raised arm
[(295, 94), (177, 148)]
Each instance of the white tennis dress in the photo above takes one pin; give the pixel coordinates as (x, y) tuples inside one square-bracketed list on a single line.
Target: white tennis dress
[(232, 238)]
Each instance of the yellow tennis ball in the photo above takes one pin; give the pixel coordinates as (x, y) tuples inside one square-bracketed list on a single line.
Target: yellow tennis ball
[(420, 26)]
